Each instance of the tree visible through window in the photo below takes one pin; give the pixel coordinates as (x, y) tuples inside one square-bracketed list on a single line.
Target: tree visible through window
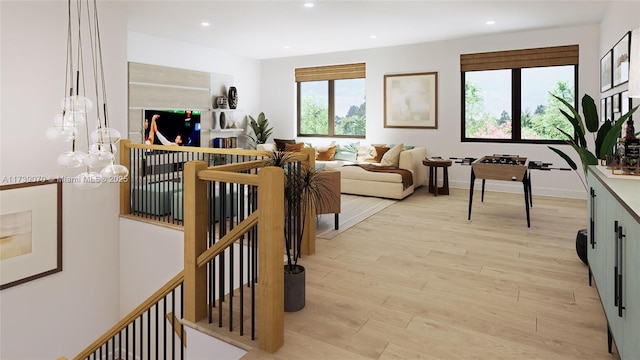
[(331, 101), (507, 96)]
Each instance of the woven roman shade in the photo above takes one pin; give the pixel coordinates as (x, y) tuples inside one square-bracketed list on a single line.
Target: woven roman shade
[(524, 58), (331, 72)]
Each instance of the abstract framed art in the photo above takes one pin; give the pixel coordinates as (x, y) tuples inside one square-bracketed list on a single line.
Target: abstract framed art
[(411, 100), (30, 231), (621, 60), (606, 72)]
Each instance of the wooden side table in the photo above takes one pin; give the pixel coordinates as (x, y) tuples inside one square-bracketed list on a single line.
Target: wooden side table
[(434, 164)]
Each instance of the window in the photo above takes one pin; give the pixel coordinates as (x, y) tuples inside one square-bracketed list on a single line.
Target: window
[(331, 101), (507, 95)]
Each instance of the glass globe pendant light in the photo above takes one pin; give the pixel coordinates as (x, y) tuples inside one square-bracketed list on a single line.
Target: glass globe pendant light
[(72, 159), (105, 135), (99, 158), (68, 118), (114, 173), (61, 133), (87, 180), (76, 107)]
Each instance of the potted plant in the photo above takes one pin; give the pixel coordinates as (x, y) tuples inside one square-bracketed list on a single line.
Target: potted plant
[(261, 129), (605, 136), (304, 189)]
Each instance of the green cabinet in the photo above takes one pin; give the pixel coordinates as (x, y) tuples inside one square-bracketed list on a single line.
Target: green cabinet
[(614, 256)]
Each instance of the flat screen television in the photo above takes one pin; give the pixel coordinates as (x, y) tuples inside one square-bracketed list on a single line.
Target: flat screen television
[(180, 127)]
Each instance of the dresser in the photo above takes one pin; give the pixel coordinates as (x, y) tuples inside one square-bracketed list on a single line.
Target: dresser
[(614, 255)]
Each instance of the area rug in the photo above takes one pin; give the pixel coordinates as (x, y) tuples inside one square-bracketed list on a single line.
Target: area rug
[(354, 209)]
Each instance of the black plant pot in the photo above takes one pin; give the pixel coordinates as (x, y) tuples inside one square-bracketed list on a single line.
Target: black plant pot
[(294, 288), (581, 245)]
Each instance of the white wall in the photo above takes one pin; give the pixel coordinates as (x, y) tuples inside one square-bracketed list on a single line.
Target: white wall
[(245, 72), (278, 98), (620, 18), (60, 314)]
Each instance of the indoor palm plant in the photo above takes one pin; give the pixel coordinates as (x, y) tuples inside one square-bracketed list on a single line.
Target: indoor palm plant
[(304, 189), (261, 129), (605, 136)]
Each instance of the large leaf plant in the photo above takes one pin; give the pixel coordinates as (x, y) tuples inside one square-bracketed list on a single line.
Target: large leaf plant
[(261, 129), (605, 134)]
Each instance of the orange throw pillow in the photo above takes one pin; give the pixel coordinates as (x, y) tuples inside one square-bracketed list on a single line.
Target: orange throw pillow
[(293, 147), (380, 150), (327, 155)]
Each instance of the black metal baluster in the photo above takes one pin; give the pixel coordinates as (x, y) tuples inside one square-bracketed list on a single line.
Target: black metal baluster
[(149, 332), (173, 333), (133, 339), (164, 326), (182, 326)]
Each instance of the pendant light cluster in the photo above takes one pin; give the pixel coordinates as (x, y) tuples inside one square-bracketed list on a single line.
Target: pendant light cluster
[(98, 157)]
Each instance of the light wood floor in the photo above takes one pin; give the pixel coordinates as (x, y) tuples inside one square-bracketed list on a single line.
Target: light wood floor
[(418, 281)]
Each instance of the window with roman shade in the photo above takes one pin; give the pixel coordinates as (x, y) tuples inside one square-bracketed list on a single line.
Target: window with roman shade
[(331, 100), (506, 95)]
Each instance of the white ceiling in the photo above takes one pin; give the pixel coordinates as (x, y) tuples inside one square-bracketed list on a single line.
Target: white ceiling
[(262, 29)]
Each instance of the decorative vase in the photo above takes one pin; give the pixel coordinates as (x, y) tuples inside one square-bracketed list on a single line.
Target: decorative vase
[(223, 120), (221, 101), (233, 97), (294, 288)]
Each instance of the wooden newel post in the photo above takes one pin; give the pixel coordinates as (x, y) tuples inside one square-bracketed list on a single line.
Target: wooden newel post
[(125, 191), (270, 259), (309, 236), (195, 241)]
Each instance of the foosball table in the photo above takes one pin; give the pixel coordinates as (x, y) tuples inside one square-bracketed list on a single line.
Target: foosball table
[(502, 167), (506, 168)]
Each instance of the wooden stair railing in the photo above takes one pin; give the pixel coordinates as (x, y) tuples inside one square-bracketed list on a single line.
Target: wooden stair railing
[(270, 226)]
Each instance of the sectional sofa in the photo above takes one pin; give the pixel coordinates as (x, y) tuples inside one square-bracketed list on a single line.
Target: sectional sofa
[(357, 180)]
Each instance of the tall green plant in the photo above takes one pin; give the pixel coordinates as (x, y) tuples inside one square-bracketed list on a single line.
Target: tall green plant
[(304, 188), (261, 129), (605, 134)]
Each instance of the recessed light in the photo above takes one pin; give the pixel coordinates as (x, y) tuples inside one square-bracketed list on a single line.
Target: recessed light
[(490, 22), (372, 36), (308, 4), (286, 47), (205, 24)]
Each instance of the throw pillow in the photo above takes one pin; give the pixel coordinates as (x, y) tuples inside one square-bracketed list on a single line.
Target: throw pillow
[(392, 157), (380, 151), (280, 143), (327, 155), (409, 147), (293, 147), (346, 152)]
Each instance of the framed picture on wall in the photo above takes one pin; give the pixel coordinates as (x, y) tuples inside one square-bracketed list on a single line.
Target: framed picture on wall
[(615, 101), (31, 231), (603, 109), (411, 101), (606, 72), (609, 114), (621, 60), (625, 102)]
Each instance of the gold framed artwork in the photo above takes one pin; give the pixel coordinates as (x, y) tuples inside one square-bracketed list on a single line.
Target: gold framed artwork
[(411, 100), (30, 231)]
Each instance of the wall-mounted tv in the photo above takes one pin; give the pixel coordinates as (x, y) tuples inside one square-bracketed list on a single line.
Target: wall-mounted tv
[(172, 127)]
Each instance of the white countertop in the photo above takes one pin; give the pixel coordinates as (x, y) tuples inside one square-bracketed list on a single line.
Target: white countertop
[(626, 188)]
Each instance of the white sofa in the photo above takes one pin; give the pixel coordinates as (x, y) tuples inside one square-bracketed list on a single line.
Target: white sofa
[(358, 181)]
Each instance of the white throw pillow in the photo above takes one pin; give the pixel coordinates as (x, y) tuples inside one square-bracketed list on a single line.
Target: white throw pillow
[(392, 157)]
